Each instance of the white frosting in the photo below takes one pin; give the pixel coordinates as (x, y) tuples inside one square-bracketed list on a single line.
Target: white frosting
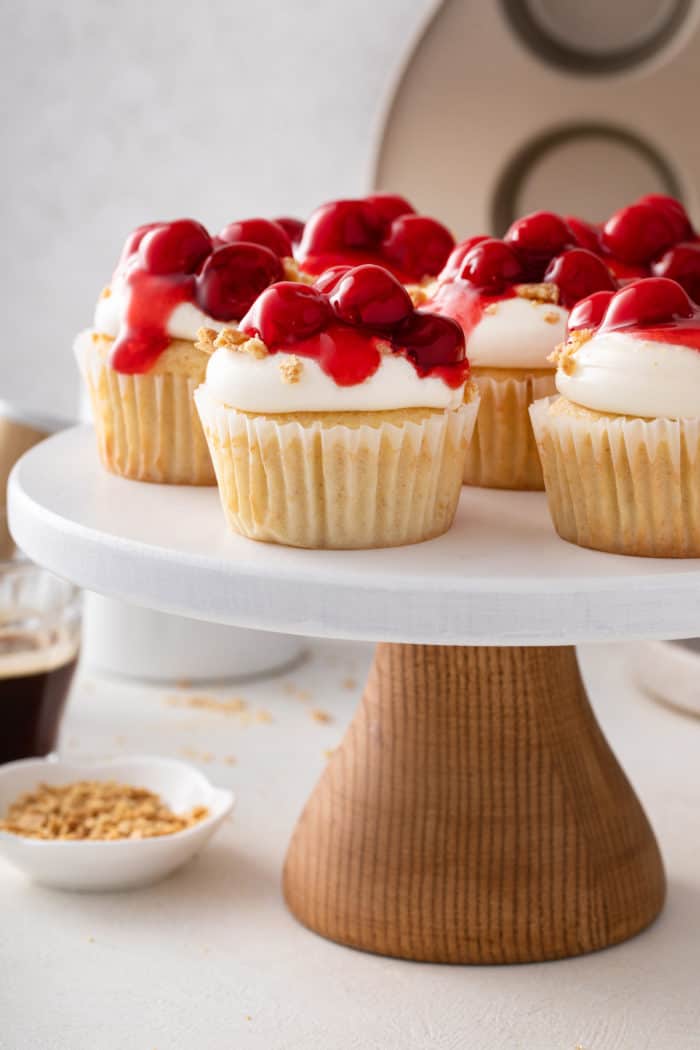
[(256, 385), (514, 334), (615, 372), (110, 313)]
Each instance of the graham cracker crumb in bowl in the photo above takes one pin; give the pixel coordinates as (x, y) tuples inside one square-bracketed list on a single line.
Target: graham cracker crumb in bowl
[(95, 809), (291, 369), (541, 292)]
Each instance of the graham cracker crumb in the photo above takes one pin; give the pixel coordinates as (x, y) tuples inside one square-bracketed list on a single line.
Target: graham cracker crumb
[(293, 273), (205, 340), (543, 292), (492, 308), (95, 809), (230, 760), (328, 751), (564, 355), (231, 338), (550, 317), (418, 295), (320, 716), (106, 292), (228, 706), (291, 369), (383, 346), (263, 716), (349, 683)]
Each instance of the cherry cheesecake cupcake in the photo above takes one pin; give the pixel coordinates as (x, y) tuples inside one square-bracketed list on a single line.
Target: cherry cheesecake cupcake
[(511, 298), (620, 445), (139, 359), (338, 415), (383, 229)]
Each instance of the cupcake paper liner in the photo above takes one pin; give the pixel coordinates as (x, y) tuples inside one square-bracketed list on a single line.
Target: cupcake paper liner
[(147, 425), (622, 484), (503, 453), (325, 484)]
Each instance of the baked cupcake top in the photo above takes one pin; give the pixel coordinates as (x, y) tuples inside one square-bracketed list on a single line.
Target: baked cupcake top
[(383, 229), (635, 352), (351, 342), (512, 296), (173, 278)]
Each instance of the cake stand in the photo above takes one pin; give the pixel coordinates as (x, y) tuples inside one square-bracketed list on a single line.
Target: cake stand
[(474, 811)]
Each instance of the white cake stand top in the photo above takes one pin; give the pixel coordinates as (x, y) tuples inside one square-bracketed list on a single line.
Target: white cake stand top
[(500, 576)]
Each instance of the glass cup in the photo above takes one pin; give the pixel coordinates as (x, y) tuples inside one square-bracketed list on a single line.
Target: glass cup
[(39, 643)]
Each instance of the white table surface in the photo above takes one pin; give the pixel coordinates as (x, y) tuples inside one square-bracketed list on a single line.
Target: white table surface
[(211, 960)]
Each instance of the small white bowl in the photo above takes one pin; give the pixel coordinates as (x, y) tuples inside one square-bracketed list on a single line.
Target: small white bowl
[(114, 864)]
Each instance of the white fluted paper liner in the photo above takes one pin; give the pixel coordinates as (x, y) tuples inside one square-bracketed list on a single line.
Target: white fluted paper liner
[(503, 453), (622, 484), (337, 486), (147, 426)]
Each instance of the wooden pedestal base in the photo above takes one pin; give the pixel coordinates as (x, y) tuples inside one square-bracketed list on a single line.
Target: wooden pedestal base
[(474, 813)]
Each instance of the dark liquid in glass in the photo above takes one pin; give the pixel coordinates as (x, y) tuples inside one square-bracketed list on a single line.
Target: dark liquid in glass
[(35, 676)]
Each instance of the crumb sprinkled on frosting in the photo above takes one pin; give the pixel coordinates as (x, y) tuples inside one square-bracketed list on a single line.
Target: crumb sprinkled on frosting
[(564, 356), (492, 308), (550, 317), (205, 340), (231, 338), (418, 294), (291, 369), (106, 292), (542, 292), (293, 273)]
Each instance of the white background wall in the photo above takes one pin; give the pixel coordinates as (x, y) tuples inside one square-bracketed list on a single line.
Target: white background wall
[(116, 112)]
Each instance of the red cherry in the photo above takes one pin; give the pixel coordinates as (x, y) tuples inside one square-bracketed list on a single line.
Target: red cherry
[(491, 265), (585, 234), (430, 339), (648, 302), (134, 239), (286, 313), (589, 312), (417, 245), (258, 231), (338, 226), (674, 212), (682, 264), (294, 228), (233, 277), (536, 238), (175, 247), (327, 281), (370, 295), (456, 257), (578, 273), (387, 207), (639, 232)]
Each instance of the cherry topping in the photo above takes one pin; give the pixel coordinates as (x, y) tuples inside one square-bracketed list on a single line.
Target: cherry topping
[(418, 245), (233, 277), (578, 273), (430, 339), (639, 232), (536, 238), (340, 225), (327, 281), (589, 312), (585, 234), (456, 256), (175, 247), (286, 313), (674, 212), (491, 265), (648, 302), (133, 241), (258, 231), (682, 263), (387, 207), (294, 228), (370, 295)]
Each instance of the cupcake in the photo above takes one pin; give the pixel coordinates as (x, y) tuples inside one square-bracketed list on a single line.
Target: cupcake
[(338, 415), (620, 445), (382, 229), (511, 298), (140, 361)]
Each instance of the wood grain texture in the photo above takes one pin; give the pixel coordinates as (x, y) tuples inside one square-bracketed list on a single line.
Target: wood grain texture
[(474, 813)]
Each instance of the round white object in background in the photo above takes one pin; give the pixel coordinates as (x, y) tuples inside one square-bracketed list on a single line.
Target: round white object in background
[(670, 672)]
